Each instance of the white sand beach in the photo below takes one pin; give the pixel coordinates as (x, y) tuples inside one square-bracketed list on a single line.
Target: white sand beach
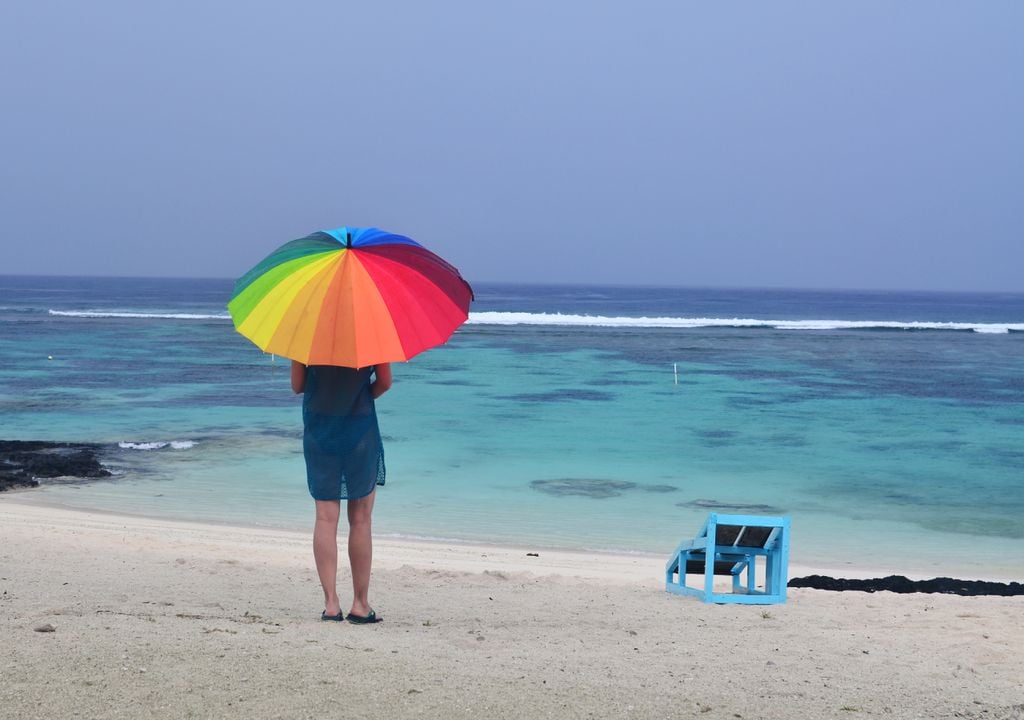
[(164, 619)]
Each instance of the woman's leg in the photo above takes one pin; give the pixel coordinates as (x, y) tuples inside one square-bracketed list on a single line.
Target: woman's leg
[(325, 552), (360, 551)]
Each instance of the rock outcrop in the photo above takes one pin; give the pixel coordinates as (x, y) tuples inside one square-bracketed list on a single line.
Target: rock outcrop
[(901, 584), (24, 462)]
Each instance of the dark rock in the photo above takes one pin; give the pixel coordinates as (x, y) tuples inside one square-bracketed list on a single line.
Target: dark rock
[(901, 584), (23, 462)]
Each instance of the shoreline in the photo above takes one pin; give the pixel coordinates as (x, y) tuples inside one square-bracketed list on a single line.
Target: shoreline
[(643, 568), (389, 552), (31, 497)]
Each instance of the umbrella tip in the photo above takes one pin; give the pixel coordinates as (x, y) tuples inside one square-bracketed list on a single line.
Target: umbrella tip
[(348, 239)]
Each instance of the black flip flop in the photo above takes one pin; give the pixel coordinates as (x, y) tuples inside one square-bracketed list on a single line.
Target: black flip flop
[(364, 619), (332, 618)]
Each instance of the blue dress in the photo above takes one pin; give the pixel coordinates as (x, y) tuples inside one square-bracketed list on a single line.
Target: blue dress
[(341, 439)]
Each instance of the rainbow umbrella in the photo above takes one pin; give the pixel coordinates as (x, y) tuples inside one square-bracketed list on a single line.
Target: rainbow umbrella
[(352, 297)]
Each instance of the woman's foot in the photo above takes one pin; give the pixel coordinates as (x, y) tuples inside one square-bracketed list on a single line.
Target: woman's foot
[(332, 606), (332, 610), (360, 608)]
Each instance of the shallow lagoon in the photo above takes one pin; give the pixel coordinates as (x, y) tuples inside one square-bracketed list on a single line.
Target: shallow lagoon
[(568, 436)]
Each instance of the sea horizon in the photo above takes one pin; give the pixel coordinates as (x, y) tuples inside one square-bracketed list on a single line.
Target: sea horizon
[(581, 283)]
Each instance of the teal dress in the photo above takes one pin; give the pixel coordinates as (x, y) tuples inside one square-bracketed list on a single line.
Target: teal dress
[(341, 439)]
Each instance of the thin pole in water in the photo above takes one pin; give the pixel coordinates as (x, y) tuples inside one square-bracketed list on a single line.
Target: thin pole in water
[(675, 371)]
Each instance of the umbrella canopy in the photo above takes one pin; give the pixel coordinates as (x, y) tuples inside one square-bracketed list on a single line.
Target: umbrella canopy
[(352, 297)]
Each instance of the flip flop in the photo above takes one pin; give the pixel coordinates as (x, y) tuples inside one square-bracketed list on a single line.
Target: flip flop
[(332, 618), (364, 619)]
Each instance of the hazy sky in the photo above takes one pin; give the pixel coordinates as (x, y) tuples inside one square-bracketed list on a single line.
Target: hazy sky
[(802, 144)]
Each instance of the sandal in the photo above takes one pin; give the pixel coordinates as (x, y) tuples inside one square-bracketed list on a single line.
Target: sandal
[(364, 619)]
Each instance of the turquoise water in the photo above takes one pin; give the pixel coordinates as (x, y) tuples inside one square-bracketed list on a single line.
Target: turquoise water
[(554, 432)]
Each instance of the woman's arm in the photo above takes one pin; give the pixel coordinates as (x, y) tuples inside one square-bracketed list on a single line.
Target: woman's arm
[(298, 377), (382, 382)]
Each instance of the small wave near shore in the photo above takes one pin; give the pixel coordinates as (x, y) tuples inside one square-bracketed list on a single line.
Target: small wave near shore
[(158, 445), (98, 314)]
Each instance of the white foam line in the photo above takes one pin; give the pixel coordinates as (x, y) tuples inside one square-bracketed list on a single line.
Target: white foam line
[(564, 320), (558, 319)]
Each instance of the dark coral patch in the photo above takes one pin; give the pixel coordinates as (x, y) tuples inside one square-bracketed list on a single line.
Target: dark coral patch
[(560, 396), (585, 487), (717, 434), (705, 504), (716, 438)]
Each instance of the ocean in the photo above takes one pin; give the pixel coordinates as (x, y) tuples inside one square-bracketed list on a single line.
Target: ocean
[(888, 425)]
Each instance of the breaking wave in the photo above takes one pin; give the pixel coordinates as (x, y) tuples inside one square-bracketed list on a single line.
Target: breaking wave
[(516, 318), (567, 320)]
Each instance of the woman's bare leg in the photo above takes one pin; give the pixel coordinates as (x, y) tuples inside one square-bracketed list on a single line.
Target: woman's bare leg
[(360, 551), (325, 552)]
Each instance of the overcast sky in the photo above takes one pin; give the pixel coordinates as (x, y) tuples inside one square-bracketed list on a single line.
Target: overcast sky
[(797, 144)]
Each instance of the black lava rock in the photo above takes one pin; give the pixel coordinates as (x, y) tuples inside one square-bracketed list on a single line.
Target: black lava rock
[(23, 462), (901, 584)]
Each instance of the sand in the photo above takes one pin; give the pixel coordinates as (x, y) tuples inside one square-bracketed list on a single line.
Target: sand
[(164, 619)]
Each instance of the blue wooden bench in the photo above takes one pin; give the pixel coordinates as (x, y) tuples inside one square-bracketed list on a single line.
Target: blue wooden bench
[(730, 545)]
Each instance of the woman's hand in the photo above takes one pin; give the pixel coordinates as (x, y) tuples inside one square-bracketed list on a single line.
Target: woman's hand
[(298, 377), (382, 381)]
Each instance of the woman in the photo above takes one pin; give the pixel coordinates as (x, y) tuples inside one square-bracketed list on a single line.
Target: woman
[(344, 461)]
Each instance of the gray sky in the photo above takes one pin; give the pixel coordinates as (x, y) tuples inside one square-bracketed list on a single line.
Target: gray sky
[(800, 144)]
